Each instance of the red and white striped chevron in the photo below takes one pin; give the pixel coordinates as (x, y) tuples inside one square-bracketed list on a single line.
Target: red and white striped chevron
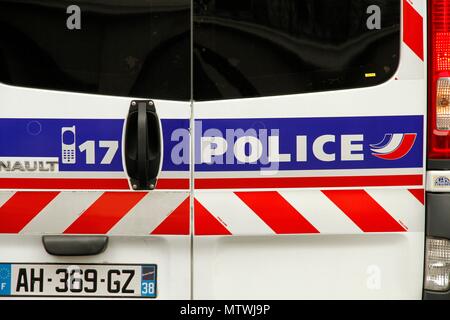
[(412, 49), (215, 213), (113, 213), (309, 212)]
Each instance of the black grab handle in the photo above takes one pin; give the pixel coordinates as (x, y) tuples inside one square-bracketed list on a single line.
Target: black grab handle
[(142, 145), (62, 245)]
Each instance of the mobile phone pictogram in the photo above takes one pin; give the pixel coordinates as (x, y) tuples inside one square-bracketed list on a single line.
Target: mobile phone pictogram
[(68, 145)]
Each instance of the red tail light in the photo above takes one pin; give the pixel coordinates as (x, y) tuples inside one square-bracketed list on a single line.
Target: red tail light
[(439, 79)]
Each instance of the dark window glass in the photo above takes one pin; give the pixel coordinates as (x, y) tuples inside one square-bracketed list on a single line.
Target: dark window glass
[(253, 48), (136, 48)]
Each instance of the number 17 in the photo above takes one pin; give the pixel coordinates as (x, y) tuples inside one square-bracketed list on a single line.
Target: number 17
[(89, 148)]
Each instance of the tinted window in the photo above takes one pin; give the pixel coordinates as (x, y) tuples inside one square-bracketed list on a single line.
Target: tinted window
[(138, 48), (253, 48)]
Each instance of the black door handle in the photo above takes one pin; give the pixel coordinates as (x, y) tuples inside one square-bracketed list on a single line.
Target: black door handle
[(142, 145), (75, 245)]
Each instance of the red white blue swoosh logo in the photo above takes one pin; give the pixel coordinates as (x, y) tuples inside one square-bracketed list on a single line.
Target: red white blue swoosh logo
[(394, 146)]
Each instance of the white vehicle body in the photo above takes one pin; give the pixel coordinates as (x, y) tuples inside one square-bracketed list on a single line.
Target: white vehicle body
[(329, 219)]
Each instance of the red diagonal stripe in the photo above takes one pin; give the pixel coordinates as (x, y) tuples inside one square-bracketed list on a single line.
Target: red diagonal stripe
[(419, 194), (205, 222), (276, 212), (177, 222), (412, 29), (363, 210), (21, 208), (104, 213)]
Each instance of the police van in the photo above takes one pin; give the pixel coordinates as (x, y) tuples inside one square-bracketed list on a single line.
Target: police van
[(216, 149)]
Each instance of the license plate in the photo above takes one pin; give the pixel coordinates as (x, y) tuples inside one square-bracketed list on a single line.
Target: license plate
[(82, 280)]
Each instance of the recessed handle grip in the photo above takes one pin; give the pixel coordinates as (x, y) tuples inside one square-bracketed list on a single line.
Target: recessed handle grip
[(142, 145), (74, 245)]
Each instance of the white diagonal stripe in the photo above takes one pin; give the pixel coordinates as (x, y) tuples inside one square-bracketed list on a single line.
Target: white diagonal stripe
[(411, 66), (238, 218), (323, 214), (149, 213), (5, 196), (402, 206), (59, 214)]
